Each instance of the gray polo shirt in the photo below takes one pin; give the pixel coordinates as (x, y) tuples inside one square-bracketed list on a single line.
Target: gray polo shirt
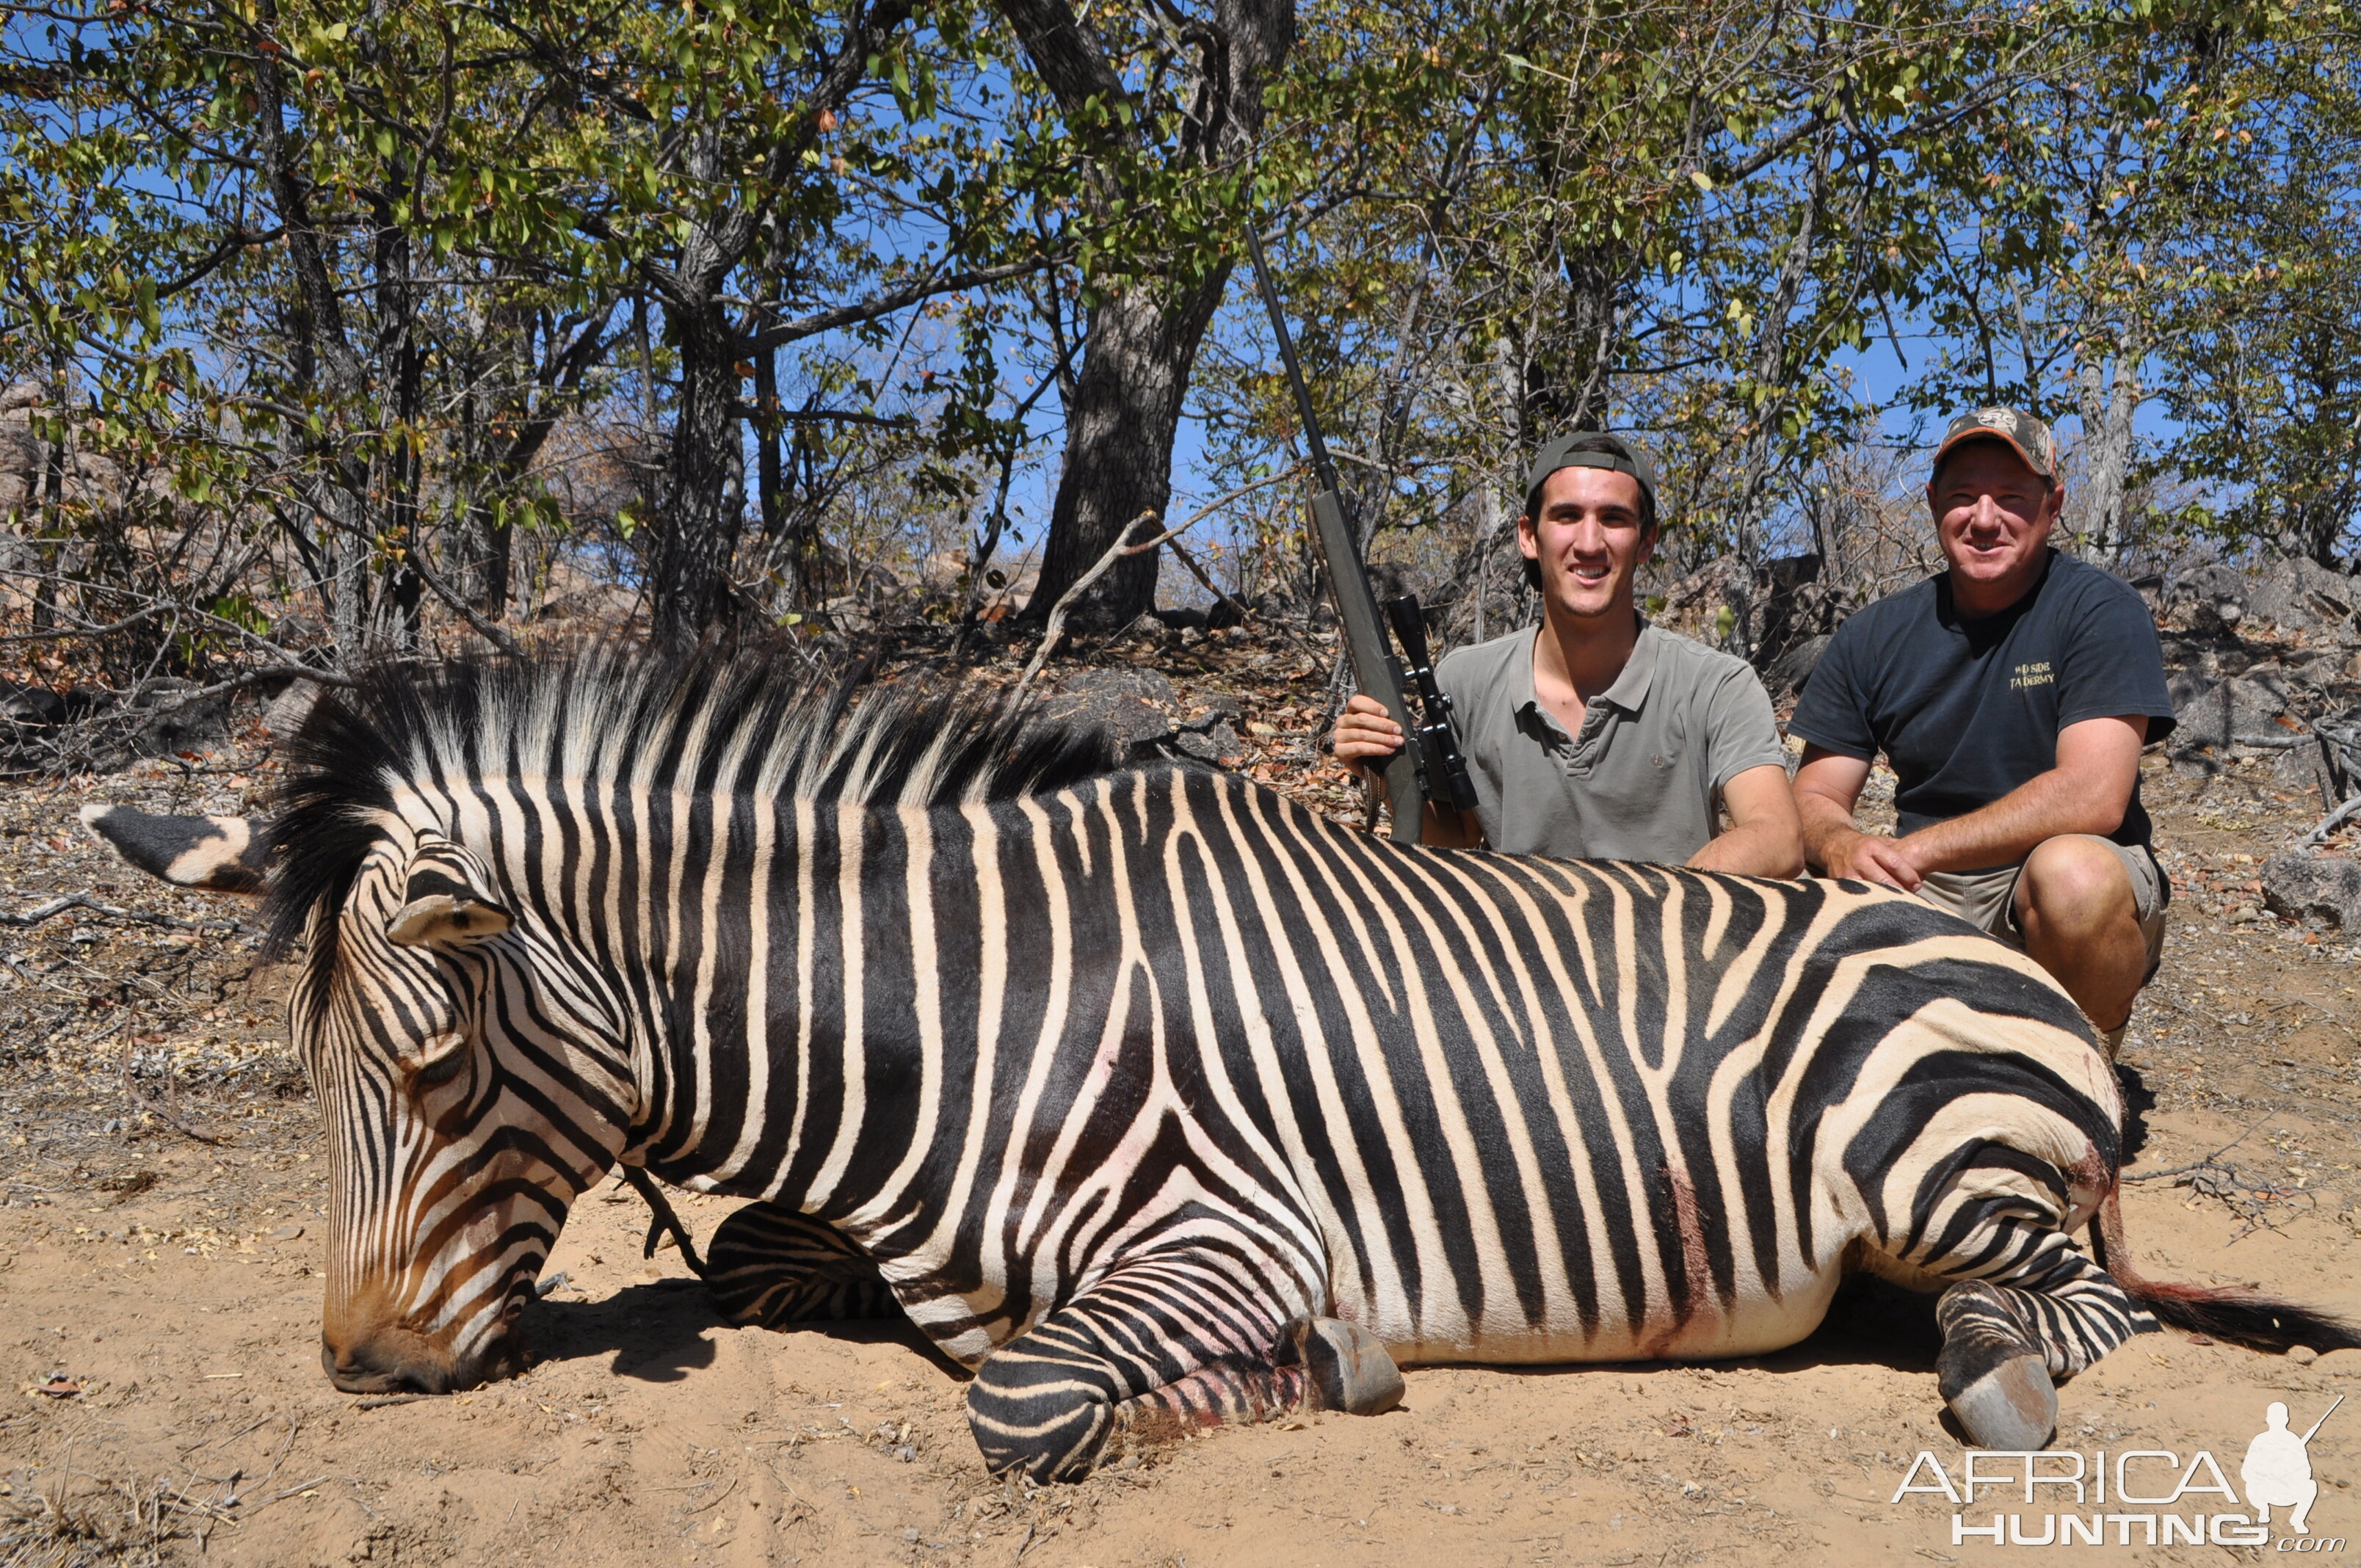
[(1643, 780)]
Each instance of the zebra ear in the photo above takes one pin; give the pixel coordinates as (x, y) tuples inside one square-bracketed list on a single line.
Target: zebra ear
[(445, 904), (221, 854)]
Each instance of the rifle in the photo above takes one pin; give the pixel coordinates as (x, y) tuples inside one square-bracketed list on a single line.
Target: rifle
[(1430, 766)]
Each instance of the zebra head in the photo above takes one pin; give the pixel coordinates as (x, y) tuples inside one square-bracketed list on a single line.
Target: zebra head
[(457, 1085)]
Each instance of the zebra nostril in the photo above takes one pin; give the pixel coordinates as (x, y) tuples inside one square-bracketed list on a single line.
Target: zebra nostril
[(351, 1373), (386, 1362)]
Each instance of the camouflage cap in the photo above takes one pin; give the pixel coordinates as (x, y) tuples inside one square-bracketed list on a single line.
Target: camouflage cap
[(2033, 440), (1593, 449)]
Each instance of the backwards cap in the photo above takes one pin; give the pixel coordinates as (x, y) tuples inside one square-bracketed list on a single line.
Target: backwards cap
[(1623, 456)]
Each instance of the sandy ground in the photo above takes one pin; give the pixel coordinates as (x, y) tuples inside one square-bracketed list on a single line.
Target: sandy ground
[(160, 1394)]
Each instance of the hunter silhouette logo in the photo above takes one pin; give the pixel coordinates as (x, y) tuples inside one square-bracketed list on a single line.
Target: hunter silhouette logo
[(2134, 1497), (2277, 1471)]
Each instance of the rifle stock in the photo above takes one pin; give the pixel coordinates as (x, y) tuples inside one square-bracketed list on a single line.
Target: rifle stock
[(1374, 670)]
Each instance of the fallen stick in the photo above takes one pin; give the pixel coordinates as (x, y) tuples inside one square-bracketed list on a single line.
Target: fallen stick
[(385, 1400), (2328, 824), (1056, 625), (56, 906)]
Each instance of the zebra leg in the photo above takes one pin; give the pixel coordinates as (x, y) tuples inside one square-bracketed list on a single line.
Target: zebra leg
[(1319, 1364), (1145, 1356), (2009, 1338), (770, 1268)]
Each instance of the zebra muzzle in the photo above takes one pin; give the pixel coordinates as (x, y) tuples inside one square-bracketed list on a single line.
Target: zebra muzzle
[(395, 1360)]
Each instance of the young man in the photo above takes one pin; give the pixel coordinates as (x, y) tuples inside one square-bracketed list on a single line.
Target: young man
[(1596, 736), (2011, 695)]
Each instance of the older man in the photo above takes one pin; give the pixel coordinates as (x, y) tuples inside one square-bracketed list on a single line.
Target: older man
[(2012, 695), (1594, 735)]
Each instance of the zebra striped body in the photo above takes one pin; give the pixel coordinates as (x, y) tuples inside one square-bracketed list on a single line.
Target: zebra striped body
[(1008, 1046), (1128, 1081)]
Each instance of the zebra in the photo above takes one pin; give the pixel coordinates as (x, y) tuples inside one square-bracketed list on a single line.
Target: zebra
[(1153, 1098)]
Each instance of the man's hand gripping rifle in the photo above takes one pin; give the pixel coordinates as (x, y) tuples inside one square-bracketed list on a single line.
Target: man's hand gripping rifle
[(1430, 766)]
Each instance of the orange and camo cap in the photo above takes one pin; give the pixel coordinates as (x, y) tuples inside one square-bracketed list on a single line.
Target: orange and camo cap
[(2034, 441)]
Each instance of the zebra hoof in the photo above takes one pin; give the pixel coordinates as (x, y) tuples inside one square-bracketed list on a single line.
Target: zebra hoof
[(2012, 1407), (1346, 1366)]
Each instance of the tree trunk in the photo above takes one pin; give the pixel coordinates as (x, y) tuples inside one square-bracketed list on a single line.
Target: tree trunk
[(768, 480), (398, 351), (495, 564), (52, 529), (1569, 381), (1141, 344), (688, 579), (1119, 436), (2108, 402)]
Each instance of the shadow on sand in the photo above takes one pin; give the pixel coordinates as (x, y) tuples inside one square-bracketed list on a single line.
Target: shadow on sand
[(660, 1332)]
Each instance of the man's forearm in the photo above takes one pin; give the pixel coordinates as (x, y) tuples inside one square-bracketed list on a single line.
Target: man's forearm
[(1753, 849), (2044, 806), (1827, 826)]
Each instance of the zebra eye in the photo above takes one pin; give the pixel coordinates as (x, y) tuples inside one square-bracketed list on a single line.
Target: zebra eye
[(439, 1062)]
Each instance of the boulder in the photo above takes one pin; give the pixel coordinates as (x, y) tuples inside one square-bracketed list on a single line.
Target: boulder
[(2215, 713), (2307, 770), (285, 716), (166, 715), (2301, 595), (942, 572), (1138, 708), (31, 707), (2307, 887), (2211, 598), (1132, 706), (1792, 670)]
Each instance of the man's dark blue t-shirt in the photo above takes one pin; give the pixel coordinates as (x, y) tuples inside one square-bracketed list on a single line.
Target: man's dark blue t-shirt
[(1967, 710)]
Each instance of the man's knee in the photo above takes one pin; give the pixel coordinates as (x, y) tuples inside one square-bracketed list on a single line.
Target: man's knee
[(2075, 886)]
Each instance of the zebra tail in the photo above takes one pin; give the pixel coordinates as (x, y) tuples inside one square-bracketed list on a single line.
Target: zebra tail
[(2242, 1317)]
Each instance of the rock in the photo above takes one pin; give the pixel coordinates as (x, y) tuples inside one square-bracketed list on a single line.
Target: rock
[(2275, 678), (2211, 598), (2301, 595), (1132, 706), (942, 572), (2192, 656), (1792, 669), (1180, 619), (2322, 887), (290, 708), (1138, 708), (1215, 743), (32, 708), (171, 715), (2305, 770), (2214, 714)]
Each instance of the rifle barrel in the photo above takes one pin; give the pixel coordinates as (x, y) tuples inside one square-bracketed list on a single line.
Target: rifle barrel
[(1321, 465)]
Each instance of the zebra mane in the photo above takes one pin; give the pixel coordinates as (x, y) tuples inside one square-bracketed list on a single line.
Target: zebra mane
[(622, 714)]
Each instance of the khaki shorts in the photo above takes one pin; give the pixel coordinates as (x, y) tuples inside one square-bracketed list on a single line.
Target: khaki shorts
[(1987, 899)]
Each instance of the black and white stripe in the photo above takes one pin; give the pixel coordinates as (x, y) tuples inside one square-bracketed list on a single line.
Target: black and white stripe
[(1155, 1097)]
